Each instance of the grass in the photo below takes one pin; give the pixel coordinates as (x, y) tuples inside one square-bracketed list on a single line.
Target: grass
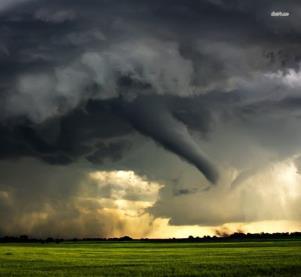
[(270, 258)]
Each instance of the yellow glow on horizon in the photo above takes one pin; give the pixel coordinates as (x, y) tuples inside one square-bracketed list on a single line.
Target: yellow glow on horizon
[(131, 195)]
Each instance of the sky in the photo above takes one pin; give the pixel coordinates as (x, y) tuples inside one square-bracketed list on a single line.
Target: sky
[(149, 118)]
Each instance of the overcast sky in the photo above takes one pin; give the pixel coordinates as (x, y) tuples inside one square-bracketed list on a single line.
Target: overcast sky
[(149, 118)]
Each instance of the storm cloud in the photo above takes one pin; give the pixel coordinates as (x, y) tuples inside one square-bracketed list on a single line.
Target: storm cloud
[(214, 84)]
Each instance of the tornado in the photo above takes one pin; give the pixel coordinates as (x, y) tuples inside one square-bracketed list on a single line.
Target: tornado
[(154, 119)]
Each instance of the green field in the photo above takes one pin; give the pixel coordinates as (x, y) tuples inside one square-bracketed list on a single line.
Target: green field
[(281, 258)]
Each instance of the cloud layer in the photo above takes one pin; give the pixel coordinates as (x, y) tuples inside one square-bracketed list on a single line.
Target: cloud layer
[(215, 84)]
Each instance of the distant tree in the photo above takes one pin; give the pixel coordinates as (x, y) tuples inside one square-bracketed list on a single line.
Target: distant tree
[(48, 240), (125, 238)]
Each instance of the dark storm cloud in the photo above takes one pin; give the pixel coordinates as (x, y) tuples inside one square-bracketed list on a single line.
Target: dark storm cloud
[(221, 39), (78, 79), (65, 139), (43, 34), (113, 151)]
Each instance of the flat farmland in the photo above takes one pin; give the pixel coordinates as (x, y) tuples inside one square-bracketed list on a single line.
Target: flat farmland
[(269, 258)]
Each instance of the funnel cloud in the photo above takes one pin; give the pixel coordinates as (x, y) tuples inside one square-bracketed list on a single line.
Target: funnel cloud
[(152, 118)]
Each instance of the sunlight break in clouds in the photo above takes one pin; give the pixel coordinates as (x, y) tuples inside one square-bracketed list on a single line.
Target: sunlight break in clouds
[(125, 191)]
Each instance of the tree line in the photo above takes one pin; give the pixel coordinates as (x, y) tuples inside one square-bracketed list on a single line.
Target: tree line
[(231, 237)]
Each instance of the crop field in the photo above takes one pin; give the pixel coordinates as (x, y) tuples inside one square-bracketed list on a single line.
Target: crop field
[(269, 258)]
